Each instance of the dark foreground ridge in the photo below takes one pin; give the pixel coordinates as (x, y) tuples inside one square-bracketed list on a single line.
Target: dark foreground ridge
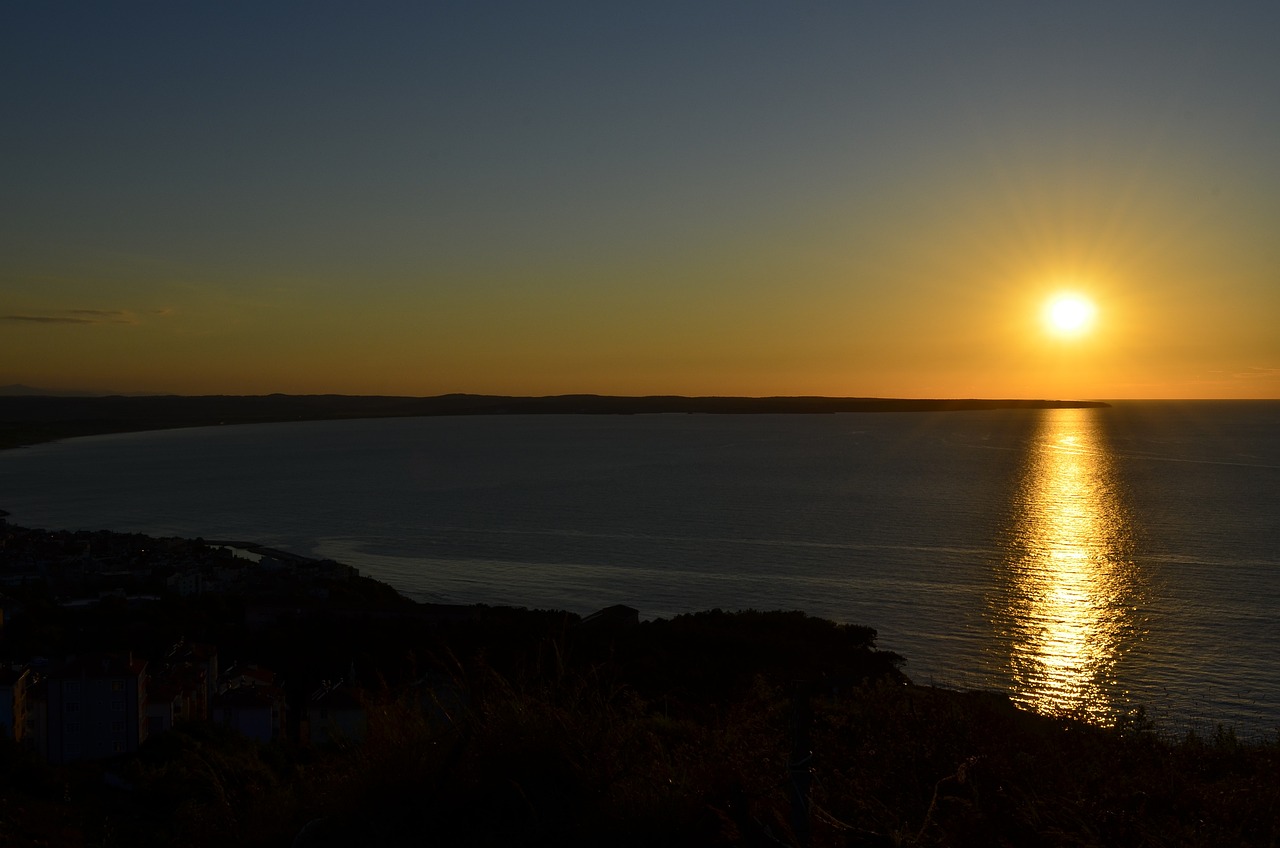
[(34, 418), (169, 692)]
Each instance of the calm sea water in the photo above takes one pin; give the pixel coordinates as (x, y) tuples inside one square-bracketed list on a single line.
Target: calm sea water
[(1082, 560)]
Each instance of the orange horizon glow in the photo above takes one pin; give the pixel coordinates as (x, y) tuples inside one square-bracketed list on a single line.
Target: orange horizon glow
[(763, 209)]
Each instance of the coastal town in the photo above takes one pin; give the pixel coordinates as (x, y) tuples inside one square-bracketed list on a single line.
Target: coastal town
[(66, 699)]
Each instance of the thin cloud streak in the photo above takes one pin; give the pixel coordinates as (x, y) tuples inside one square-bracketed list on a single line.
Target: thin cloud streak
[(99, 313), (48, 319), (1258, 373), (77, 316)]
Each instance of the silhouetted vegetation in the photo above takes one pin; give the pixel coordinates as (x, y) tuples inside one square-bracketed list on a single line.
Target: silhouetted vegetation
[(527, 728)]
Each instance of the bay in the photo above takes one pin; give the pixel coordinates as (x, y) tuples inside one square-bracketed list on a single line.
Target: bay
[(1084, 561)]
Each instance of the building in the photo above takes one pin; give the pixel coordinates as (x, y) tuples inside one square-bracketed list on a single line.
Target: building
[(96, 707), (335, 714), (165, 706), (256, 712), (186, 583), (35, 733), (193, 668), (14, 682), (252, 701)]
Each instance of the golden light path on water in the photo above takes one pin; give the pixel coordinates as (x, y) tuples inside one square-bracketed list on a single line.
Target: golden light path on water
[(1069, 600)]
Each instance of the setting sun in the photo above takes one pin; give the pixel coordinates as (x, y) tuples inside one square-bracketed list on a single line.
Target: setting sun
[(1069, 314)]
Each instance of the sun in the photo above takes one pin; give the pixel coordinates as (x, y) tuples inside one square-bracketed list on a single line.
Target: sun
[(1069, 314)]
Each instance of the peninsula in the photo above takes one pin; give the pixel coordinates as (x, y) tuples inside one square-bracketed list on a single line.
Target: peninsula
[(29, 419)]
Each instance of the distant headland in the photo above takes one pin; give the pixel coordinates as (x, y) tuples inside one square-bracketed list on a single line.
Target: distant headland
[(30, 419)]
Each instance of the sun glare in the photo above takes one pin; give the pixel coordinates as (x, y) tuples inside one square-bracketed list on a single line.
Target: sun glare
[(1069, 314)]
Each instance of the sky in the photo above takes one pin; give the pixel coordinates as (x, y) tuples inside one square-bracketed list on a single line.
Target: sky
[(710, 198)]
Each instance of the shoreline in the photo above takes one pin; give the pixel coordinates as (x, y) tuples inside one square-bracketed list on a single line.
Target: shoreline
[(373, 600)]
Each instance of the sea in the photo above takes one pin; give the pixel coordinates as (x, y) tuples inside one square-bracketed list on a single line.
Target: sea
[(1087, 562)]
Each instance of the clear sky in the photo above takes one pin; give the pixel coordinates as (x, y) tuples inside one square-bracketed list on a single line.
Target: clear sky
[(757, 198)]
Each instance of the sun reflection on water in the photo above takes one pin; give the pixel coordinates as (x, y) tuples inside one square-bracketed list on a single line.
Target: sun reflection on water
[(1067, 609)]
